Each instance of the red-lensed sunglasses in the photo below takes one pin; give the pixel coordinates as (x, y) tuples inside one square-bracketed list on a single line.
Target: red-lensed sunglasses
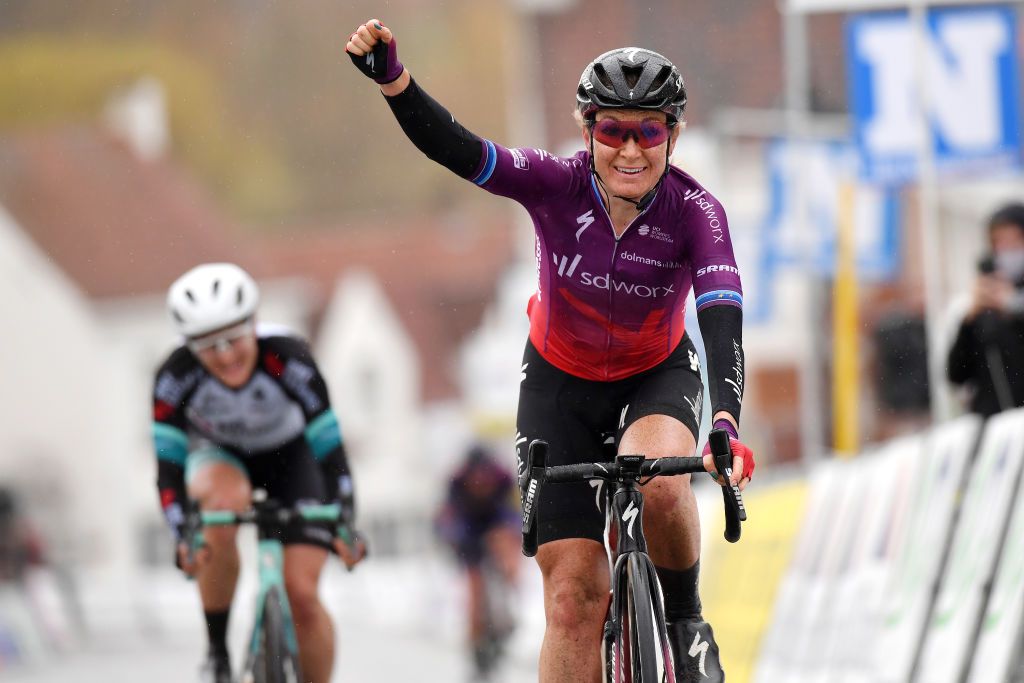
[(614, 133)]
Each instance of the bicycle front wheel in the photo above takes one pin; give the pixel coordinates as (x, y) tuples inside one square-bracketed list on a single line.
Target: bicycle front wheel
[(637, 654), (275, 661)]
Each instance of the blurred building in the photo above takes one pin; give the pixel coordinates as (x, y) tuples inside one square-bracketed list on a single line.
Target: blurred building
[(418, 318), (93, 230)]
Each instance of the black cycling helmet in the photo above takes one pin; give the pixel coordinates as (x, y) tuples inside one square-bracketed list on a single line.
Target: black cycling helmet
[(631, 78), (1010, 214), (478, 454)]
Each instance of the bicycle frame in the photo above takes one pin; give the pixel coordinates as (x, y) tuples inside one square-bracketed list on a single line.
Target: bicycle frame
[(271, 575), (269, 519), (624, 509)]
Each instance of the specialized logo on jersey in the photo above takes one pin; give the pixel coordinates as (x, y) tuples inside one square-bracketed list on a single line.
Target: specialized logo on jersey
[(709, 210), (585, 220), (655, 232)]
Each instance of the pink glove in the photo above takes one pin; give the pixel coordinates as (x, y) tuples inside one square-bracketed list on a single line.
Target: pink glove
[(739, 449)]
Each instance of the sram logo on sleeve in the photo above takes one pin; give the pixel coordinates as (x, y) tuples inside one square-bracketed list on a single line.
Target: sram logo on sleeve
[(717, 269)]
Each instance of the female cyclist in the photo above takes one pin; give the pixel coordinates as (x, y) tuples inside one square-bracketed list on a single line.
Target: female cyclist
[(622, 237)]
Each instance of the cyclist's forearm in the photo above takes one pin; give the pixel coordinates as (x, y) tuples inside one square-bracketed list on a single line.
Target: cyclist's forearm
[(434, 131), (722, 329), (173, 495), (334, 466)]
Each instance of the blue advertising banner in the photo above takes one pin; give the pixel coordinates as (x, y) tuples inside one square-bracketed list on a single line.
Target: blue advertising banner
[(800, 230), (971, 94)]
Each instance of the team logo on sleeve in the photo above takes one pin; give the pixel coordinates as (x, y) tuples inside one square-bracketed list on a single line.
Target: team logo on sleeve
[(519, 158), (717, 269)]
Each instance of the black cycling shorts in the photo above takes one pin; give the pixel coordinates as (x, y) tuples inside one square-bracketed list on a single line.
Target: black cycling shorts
[(289, 474), (579, 418)]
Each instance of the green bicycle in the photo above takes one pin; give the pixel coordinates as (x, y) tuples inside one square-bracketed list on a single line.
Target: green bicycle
[(273, 655)]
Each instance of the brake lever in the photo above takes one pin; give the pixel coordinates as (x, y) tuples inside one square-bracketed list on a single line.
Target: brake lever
[(529, 489), (735, 512)]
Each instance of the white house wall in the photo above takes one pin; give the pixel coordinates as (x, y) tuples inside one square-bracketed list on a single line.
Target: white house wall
[(373, 374), (56, 407)]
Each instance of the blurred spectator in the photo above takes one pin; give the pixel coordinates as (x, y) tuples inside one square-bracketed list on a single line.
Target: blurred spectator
[(20, 546), (480, 521), (902, 375), (988, 354)]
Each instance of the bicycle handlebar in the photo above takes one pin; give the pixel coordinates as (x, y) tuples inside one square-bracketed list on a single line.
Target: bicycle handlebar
[(611, 471), (270, 513), (313, 513), (537, 473)]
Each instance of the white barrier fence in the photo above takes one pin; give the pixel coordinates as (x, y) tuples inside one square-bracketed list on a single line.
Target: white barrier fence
[(909, 567)]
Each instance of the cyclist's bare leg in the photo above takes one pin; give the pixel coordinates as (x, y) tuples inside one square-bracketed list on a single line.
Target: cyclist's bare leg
[(219, 486), (575, 572), (313, 628), (475, 585), (671, 522), (505, 546)]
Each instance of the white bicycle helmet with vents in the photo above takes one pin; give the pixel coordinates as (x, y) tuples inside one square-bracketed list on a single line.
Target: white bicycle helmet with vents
[(210, 297)]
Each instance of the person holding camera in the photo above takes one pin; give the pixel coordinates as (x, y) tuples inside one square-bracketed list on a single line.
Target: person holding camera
[(988, 354)]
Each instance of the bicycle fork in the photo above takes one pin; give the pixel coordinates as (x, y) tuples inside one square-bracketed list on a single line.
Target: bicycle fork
[(624, 509)]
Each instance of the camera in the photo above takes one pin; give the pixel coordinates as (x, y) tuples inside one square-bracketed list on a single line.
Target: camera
[(1015, 306)]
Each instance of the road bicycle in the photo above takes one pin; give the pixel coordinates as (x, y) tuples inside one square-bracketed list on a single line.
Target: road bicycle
[(273, 655), (635, 646), (498, 617)]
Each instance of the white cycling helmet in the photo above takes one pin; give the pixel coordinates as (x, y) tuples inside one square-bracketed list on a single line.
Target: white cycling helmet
[(210, 297)]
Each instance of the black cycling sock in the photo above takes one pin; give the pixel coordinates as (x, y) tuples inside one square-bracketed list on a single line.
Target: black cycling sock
[(217, 631), (680, 590)]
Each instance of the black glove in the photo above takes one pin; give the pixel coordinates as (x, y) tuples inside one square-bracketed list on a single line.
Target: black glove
[(381, 64)]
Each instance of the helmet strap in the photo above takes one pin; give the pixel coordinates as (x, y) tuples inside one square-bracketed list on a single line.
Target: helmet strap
[(600, 182)]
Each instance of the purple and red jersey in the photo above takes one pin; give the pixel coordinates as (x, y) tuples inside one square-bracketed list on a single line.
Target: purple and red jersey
[(607, 307)]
